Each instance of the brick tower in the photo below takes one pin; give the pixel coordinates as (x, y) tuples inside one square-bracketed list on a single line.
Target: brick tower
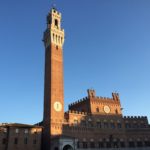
[(53, 89)]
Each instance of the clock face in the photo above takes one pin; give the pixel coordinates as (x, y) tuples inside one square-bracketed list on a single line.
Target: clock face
[(106, 109), (57, 106)]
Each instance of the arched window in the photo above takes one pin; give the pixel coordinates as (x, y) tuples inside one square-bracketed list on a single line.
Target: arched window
[(53, 36), (100, 144), (112, 124), (56, 22), (56, 38), (131, 143), (25, 140), (85, 144), (116, 111), (92, 144), (4, 141), (139, 143), (97, 109), (75, 121)]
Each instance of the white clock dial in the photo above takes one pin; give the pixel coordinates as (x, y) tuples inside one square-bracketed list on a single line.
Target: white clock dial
[(106, 109), (57, 106)]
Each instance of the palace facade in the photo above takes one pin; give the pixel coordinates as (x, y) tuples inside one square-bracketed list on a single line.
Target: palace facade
[(92, 122)]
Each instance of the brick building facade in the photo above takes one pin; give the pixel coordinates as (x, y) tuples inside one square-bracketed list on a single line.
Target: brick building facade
[(20, 137), (90, 123)]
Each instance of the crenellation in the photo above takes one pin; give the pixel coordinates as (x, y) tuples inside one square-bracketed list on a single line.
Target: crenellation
[(134, 117), (78, 101), (76, 112)]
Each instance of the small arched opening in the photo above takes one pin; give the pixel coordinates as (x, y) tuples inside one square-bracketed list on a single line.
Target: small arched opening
[(56, 23), (68, 147)]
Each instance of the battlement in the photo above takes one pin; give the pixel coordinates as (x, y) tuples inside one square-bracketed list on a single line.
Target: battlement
[(78, 101), (54, 10), (134, 117), (92, 94), (103, 98), (77, 112), (115, 97)]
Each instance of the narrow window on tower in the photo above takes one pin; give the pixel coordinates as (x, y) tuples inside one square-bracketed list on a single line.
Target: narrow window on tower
[(56, 23), (61, 40), (57, 47), (56, 38)]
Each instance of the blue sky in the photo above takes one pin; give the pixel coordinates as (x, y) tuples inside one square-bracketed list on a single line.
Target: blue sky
[(107, 48)]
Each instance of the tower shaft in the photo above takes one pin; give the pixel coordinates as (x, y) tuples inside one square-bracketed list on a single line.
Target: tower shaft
[(53, 86)]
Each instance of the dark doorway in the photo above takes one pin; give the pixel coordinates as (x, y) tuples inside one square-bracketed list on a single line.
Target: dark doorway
[(56, 148), (67, 147)]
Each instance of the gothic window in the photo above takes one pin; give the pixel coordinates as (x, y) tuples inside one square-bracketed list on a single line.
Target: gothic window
[(16, 141), (34, 141), (84, 144), (90, 124), (75, 122), (115, 144), (147, 143), (53, 36), (25, 140), (17, 130), (108, 144), (92, 145), (122, 144), (4, 141), (61, 39), (131, 144), (105, 125), (99, 125), (139, 144), (142, 125), (5, 130), (57, 49), (56, 38), (26, 131), (83, 123), (78, 144), (56, 22), (97, 109), (116, 111), (101, 145), (119, 125), (127, 125), (112, 125), (35, 131), (135, 125)]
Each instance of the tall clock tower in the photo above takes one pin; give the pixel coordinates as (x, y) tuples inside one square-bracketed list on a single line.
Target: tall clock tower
[(53, 88)]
